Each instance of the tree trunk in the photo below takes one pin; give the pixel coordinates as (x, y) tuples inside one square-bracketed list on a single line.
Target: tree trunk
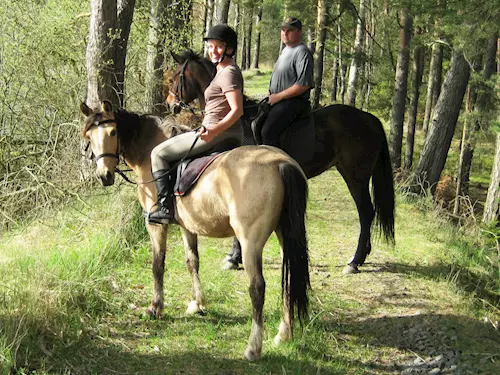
[(256, 52), (221, 11), (492, 204), (335, 75), (434, 82), (248, 38), (100, 54), (418, 69), (125, 16), (311, 43), (156, 56), (358, 56), (243, 53), (477, 100), (444, 121), (399, 97), (342, 62), (236, 26), (320, 50), (208, 22)]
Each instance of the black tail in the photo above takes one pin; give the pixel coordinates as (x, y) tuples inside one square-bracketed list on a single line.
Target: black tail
[(295, 268), (383, 191)]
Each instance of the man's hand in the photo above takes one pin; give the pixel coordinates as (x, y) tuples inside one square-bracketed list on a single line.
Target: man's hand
[(274, 98)]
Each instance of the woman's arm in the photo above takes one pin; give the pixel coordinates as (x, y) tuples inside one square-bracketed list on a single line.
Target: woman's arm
[(235, 101)]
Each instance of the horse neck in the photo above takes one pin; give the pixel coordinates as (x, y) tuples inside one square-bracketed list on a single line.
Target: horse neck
[(203, 77), (137, 149)]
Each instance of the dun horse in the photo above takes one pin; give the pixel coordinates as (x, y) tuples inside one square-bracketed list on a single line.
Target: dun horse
[(346, 137), (248, 192)]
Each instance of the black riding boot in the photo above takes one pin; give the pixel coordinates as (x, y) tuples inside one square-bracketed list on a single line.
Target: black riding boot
[(165, 214)]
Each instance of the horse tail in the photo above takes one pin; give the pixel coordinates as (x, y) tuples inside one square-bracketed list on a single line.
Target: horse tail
[(383, 190), (295, 268)]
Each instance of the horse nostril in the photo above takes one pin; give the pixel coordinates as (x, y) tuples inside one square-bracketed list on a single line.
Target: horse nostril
[(108, 175), (177, 109)]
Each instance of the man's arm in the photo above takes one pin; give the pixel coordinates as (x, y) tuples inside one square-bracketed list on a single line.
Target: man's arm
[(290, 92)]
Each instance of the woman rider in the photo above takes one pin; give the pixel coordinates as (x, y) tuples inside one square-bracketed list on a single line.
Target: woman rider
[(223, 109)]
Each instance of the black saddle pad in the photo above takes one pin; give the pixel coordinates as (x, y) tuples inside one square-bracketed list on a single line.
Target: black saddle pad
[(298, 140), (189, 171)]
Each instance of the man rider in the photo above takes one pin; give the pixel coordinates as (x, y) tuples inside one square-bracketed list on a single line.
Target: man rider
[(290, 85)]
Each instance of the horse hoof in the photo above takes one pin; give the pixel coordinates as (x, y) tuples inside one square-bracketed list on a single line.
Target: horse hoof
[(194, 308), (348, 270), (251, 355), (151, 313), (229, 266)]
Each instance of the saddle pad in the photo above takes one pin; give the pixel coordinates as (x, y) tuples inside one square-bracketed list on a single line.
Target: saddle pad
[(190, 173)]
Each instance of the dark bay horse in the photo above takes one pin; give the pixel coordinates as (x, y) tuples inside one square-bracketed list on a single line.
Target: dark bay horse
[(248, 192), (350, 139)]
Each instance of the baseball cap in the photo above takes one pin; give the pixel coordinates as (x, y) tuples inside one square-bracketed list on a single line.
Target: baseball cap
[(292, 23)]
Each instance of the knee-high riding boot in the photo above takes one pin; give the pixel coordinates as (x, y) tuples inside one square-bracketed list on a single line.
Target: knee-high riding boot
[(165, 213)]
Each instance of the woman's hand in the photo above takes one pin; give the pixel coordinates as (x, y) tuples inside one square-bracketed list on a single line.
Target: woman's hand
[(207, 134)]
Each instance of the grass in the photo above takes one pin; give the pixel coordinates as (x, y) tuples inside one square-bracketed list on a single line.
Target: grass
[(73, 286), (74, 305)]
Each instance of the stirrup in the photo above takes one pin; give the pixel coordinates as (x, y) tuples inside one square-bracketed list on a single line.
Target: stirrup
[(162, 215)]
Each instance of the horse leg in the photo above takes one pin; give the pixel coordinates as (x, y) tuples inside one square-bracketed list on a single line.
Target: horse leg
[(252, 261), (190, 240), (158, 236), (366, 214), (285, 331), (233, 259)]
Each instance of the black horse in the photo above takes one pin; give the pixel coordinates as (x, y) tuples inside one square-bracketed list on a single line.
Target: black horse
[(348, 138)]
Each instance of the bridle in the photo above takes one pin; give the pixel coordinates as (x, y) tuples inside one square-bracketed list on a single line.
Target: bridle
[(116, 155), (179, 90)]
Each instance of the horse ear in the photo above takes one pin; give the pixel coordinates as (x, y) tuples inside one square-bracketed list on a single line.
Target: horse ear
[(107, 107), (176, 57), (85, 109)]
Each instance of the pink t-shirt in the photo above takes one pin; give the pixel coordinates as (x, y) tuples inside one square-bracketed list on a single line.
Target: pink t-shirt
[(216, 104)]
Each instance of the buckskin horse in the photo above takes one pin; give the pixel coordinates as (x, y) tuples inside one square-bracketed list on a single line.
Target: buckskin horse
[(348, 138), (228, 199)]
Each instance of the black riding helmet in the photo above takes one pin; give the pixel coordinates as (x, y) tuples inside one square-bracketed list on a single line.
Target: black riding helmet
[(226, 34)]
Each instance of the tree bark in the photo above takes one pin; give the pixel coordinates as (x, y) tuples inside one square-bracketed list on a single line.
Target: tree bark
[(256, 52), (156, 57), (208, 21), (335, 75), (444, 121), (433, 82), (400, 88), (125, 16), (320, 50), (492, 204), (358, 56), (100, 53), (418, 69), (221, 11), (248, 38)]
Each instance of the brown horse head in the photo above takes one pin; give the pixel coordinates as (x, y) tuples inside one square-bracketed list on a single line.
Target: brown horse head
[(189, 81), (100, 129)]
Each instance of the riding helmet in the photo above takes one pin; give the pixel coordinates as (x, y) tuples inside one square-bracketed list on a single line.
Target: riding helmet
[(224, 33)]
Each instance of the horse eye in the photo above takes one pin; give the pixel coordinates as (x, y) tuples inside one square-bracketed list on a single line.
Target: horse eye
[(113, 132)]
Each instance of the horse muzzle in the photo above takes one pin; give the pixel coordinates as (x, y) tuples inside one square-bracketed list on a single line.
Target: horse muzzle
[(107, 178)]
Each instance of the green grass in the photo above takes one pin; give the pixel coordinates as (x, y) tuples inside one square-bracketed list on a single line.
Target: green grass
[(74, 305)]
